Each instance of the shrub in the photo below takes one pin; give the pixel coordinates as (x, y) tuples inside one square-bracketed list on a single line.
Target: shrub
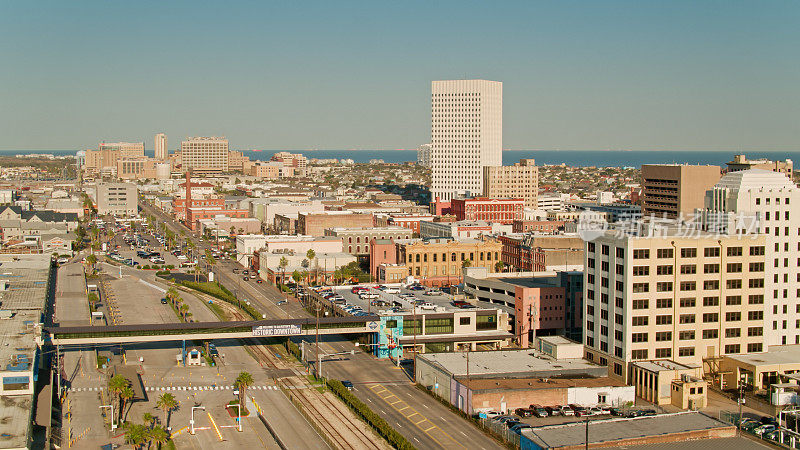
[(146, 267), (170, 266), (377, 422)]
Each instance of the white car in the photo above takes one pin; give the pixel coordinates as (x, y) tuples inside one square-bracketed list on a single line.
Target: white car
[(156, 260), (391, 290), (182, 257), (427, 305)]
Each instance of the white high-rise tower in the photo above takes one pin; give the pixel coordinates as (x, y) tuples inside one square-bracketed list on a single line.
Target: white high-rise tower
[(466, 135), (161, 146)]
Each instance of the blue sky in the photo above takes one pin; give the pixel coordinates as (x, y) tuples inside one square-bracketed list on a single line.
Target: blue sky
[(682, 75)]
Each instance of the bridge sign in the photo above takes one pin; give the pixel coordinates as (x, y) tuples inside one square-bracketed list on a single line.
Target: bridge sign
[(276, 330)]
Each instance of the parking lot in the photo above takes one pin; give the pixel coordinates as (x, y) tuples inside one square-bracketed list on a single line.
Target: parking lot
[(392, 299)]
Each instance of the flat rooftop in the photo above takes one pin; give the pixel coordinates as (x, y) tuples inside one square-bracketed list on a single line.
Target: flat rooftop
[(16, 413), (25, 279), (781, 354), (607, 431), (512, 384), (513, 363), (72, 306), (659, 366)]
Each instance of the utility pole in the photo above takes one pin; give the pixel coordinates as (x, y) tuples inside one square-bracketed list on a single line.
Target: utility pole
[(417, 329), (317, 338), (587, 432)]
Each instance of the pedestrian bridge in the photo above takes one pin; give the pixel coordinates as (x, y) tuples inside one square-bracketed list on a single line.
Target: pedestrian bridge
[(161, 332)]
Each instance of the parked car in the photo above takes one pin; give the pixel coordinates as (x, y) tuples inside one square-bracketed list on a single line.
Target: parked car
[(433, 292), (416, 287), (523, 412), (566, 410), (511, 423), (539, 410), (552, 410), (578, 410), (491, 414)]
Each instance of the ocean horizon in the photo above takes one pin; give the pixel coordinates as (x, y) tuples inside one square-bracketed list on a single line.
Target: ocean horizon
[(577, 158)]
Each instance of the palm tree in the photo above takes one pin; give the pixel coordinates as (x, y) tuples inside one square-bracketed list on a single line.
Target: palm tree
[(184, 309), (125, 394), (243, 381), (115, 385), (172, 294), (159, 435), (296, 276), (149, 420), (283, 264), (135, 434), (311, 256), (167, 403), (466, 263)]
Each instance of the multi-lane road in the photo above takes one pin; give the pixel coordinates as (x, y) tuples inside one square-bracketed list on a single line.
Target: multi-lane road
[(382, 386)]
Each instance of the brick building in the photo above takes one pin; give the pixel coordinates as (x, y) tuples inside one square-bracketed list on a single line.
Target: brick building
[(488, 209), (314, 224), (438, 262)]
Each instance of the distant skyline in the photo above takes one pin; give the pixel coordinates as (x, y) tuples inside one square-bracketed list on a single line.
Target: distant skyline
[(679, 75)]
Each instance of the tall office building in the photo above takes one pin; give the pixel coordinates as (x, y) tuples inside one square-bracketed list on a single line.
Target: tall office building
[(766, 202), (205, 155), (673, 190), (161, 146), (667, 294), (466, 135)]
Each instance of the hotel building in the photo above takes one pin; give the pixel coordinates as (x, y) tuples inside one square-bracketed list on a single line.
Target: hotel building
[(205, 155)]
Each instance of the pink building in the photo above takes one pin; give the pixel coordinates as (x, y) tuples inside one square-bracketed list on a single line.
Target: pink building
[(381, 251)]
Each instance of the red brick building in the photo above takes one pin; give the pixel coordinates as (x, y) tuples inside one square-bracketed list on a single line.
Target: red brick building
[(504, 211), (410, 221)]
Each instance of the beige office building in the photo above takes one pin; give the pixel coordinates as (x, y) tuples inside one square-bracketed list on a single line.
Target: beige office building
[(668, 295), (103, 160), (205, 155), (161, 147), (518, 181), (120, 199), (675, 190)]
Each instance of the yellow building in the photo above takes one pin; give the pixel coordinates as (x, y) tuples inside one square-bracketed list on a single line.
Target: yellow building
[(438, 262)]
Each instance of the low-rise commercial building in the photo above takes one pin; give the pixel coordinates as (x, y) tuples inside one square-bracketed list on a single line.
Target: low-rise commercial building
[(543, 303), (536, 253), (506, 380), (315, 224), (461, 229), (537, 226), (740, 162), (666, 382), (410, 221), (356, 241), (438, 262), (247, 245)]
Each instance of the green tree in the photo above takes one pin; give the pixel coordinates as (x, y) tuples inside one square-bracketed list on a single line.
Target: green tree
[(167, 403), (92, 260), (243, 381), (149, 420), (297, 276), (184, 309), (311, 255), (466, 263), (499, 266)]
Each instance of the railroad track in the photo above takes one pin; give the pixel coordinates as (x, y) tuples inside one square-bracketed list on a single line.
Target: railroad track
[(338, 427)]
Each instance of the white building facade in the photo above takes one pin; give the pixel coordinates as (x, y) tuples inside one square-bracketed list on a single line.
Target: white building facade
[(765, 202), (205, 153), (466, 135), (161, 146)]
